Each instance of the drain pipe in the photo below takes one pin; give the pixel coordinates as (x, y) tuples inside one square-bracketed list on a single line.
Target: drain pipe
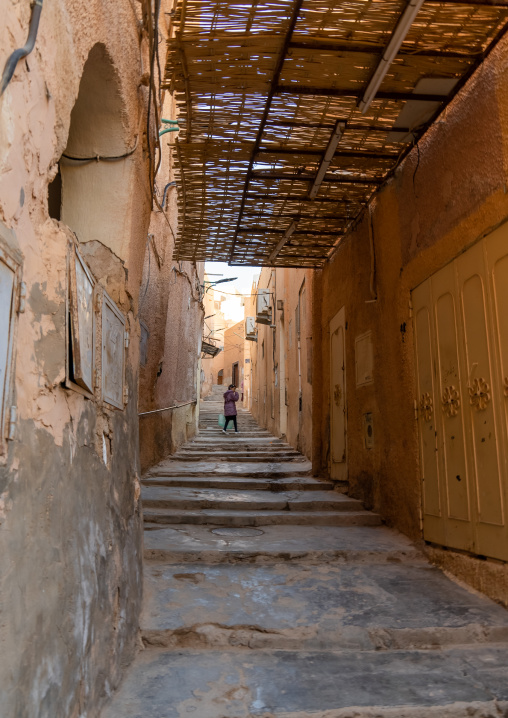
[(27, 48)]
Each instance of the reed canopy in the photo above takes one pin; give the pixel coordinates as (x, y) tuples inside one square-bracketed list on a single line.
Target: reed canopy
[(293, 113)]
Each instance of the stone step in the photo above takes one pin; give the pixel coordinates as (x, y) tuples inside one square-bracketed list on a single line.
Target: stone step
[(226, 441), (244, 432), (218, 435), (219, 517), (219, 447), (251, 431), (287, 606), (305, 483), (269, 470), (226, 499), (242, 426), (220, 439), (236, 455), (218, 408), (310, 545), (214, 416), (453, 683)]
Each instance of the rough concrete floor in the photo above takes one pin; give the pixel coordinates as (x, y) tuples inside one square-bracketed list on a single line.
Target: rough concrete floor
[(270, 594)]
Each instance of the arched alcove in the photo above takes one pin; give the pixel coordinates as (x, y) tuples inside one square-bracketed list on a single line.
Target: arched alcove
[(95, 187)]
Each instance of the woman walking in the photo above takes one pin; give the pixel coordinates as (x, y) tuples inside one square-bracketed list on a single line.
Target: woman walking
[(230, 399)]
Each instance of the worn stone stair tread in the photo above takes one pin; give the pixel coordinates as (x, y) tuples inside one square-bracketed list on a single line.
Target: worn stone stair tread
[(368, 607), (303, 483), (269, 594), (197, 499), (454, 683), (312, 544), (224, 444), (220, 439), (224, 468), (248, 459), (200, 454), (222, 517), (265, 454)]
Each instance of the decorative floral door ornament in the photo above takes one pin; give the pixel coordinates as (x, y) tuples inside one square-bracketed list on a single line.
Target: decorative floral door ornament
[(451, 401), (426, 406), (479, 394)]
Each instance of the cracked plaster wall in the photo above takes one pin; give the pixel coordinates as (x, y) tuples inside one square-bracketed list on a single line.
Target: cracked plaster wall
[(70, 525), (171, 308), (445, 196)]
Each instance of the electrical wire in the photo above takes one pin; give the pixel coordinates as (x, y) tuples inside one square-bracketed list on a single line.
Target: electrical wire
[(22, 52), (100, 158), (232, 294)]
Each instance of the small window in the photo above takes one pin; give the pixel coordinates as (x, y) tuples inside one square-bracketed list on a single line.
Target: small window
[(10, 272), (81, 326), (113, 353)]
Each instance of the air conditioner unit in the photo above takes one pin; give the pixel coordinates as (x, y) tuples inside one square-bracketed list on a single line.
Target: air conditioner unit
[(263, 307), (250, 329)]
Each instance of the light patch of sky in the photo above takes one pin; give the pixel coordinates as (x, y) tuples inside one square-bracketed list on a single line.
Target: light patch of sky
[(243, 278)]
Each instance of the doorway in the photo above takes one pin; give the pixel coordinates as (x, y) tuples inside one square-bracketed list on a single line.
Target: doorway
[(235, 376), (338, 406), (461, 343), (220, 377)]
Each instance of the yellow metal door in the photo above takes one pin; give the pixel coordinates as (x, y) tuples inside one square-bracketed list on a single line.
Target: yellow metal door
[(338, 460), (451, 442), (430, 470), (461, 330)]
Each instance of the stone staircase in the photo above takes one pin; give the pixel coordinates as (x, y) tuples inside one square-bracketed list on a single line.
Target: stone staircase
[(268, 593), (245, 479)]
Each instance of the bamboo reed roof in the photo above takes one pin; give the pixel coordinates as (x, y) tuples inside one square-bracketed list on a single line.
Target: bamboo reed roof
[(260, 85)]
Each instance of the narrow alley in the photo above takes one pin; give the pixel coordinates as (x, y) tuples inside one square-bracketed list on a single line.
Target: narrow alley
[(270, 593), (304, 204)]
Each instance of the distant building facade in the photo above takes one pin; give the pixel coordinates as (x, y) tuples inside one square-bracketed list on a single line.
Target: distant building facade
[(389, 366)]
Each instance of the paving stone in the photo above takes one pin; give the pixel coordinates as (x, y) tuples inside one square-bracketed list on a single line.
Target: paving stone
[(280, 596), (302, 483), (252, 608), (223, 468), (228, 517), (296, 543), (291, 684), (184, 498)]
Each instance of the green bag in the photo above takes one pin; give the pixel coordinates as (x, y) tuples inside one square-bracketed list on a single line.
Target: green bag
[(222, 421)]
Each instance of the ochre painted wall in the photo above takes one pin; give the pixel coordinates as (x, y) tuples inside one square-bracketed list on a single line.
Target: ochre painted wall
[(70, 523), (448, 193), (274, 358), (171, 307)]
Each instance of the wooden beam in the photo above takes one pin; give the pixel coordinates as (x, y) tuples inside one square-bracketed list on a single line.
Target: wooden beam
[(299, 198), (346, 92), (253, 263), (330, 126), (331, 46), (287, 215), (267, 230), (268, 174), (295, 12), (320, 152), (466, 3)]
